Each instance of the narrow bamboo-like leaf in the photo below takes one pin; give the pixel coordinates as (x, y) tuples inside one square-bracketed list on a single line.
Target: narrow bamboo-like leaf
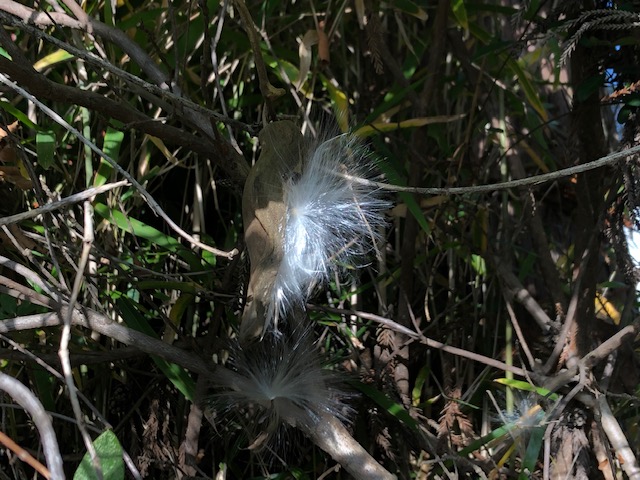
[(181, 305), (140, 229), (460, 12), (51, 59), (493, 435), (19, 115), (527, 387), (112, 142), (530, 460), (163, 149), (340, 103), (411, 123), (528, 88), (416, 393), (178, 309), (110, 454)]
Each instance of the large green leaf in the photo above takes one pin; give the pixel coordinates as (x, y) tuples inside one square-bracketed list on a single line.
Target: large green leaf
[(45, 147), (110, 454)]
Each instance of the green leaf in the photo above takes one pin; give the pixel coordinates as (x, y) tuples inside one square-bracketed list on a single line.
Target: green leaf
[(142, 230), (340, 103), (624, 114), (478, 264), (51, 59), (632, 100), (110, 454), (5, 54), (493, 435), (112, 142), (527, 387), (10, 109), (45, 148), (530, 460), (416, 393), (460, 12)]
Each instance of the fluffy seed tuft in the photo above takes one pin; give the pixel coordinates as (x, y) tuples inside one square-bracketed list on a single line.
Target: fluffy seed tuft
[(333, 219), (280, 380)]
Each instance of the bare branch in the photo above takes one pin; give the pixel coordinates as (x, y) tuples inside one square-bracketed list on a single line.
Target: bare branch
[(70, 200)]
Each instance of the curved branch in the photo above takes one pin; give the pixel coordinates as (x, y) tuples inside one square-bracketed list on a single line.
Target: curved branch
[(27, 400)]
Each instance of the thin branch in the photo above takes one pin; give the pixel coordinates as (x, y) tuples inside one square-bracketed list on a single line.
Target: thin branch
[(430, 342), (269, 92), (219, 151), (521, 338), (328, 432), (24, 455), (70, 200), (589, 360), (513, 288), (65, 338), (22, 292), (103, 325), (32, 277), (610, 159)]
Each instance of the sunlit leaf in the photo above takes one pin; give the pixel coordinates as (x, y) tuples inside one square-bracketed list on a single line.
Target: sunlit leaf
[(51, 59)]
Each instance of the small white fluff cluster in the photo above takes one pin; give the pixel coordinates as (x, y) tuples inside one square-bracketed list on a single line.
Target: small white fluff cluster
[(280, 380), (332, 220)]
